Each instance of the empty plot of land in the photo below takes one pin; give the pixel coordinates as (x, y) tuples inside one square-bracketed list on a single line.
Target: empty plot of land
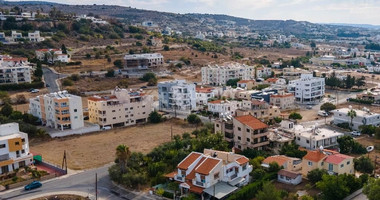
[(94, 150)]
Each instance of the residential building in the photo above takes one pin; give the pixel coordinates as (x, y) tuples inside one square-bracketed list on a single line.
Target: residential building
[(15, 70), (264, 95), (289, 177), (333, 162), (245, 94), (2, 37), (59, 110), (176, 95), (363, 117), (279, 138), (212, 173), (288, 163), (225, 126), (250, 132), (14, 148), (203, 95), (35, 37), (223, 108), (246, 84), (143, 61), (307, 89), (314, 137), (52, 55), (292, 73), (258, 109), (219, 75), (123, 108), (263, 72), (283, 100), (15, 36)]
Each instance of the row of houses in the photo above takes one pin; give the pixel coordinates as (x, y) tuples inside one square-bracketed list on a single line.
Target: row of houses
[(52, 55), (16, 36)]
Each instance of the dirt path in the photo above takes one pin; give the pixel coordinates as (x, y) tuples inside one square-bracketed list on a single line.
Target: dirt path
[(94, 150)]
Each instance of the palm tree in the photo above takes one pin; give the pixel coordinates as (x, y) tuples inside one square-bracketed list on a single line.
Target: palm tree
[(122, 154), (352, 115)]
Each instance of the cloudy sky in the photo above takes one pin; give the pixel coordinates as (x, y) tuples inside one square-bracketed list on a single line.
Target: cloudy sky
[(320, 11)]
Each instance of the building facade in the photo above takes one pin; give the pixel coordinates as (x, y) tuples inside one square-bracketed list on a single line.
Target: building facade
[(203, 95), (59, 110), (363, 117), (143, 61), (307, 89), (14, 148), (258, 109), (282, 100), (15, 70), (122, 108), (249, 132), (52, 55), (223, 108), (176, 95), (219, 75)]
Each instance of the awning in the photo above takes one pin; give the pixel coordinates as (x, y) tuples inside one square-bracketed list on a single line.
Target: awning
[(220, 190), (236, 181)]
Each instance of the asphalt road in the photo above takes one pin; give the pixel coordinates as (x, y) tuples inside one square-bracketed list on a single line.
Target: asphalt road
[(83, 182), (50, 77)]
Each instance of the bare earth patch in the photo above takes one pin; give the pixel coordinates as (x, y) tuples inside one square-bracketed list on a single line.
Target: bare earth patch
[(62, 197), (94, 150)]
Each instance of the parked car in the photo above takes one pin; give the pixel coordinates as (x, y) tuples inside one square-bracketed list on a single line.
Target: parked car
[(143, 87), (355, 133), (35, 91), (323, 113), (309, 107), (47, 85), (370, 148), (31, 89), (104, 128), (33, 185)]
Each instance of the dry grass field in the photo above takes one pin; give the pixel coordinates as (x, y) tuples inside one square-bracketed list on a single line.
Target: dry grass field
[(97, 149)]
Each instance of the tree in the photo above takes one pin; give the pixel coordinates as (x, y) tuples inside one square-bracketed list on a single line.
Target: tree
[(256, 162), (352, 115), (155, 117), (20, 99), (63, 48), (316, 175), (360, 82), (118, 63), (122, 154), (269, 192), (258, 174), (38, 72), (110, 73), (295, 116), (367, 129), (292, 150), (371, 190), (232, 82), (313, 45), (274, 167), (364, 165), (152, 82), (333, 187), (193, 119), (147, 76), (166, 48), (6, 110), (67, 82), (307, 197), (347, 144), (4, 97), (327, 107)]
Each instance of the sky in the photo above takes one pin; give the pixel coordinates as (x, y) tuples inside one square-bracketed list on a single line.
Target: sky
[(317, 11)]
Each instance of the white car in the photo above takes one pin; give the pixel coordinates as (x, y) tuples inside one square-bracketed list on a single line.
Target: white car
[(323, 114), (370, 148), (35, 91), (355, 133)]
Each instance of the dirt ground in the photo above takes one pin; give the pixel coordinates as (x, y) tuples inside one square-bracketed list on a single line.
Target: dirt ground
[(62, 197), (294, 188), (25, 107), (87, 65), (94, 150), (370, 141)]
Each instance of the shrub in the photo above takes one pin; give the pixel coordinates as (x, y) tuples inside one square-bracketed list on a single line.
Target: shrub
[(118, 63), (67, 82), (193, 119), (110, 73), (155, 117), (316, 175), (364, 165), (12, 87), (344, 125)]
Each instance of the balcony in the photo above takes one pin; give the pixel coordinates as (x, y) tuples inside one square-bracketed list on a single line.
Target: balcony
[(233, 176), (199, 183), (180, 178)]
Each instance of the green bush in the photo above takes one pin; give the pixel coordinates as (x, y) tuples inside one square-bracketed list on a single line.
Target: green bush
[(362, 101), (67, 82), (344, 125), (11, 87), (168, 195)]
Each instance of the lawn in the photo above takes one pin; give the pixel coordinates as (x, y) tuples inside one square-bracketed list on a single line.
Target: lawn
[(97, 149)]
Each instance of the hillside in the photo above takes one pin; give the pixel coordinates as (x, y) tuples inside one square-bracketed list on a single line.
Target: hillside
[(190, 23)]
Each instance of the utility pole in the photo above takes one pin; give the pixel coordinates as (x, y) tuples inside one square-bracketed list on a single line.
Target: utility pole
[(374, 171), (96, 186), (171, 132), (64, 162)]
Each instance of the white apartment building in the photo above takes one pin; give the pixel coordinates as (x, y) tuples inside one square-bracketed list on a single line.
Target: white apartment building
[(307, 89), (15, 70), (223, 108), (14, 148), (219, 75), (314, 137), (203, 95), (15, 36), (363, 117), (123, 108), (52, 55), (143, 61), (263, 72), (59, 110), (176, 95), (282, 100), (212, 173), (35, 37)]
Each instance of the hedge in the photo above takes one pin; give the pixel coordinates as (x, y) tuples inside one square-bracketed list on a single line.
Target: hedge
[(8, 87), (362, 101), (168, 195)]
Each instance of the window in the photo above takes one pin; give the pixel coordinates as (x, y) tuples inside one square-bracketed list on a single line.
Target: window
[(75, 110), (309, 163), (239, 138), (217, 125), (17, 143), (76, 117), (348, 162), (322, 163), (239, 147), (113, 111), (248, 140), (23, 140), (342, 165), (4, 169), (2, 146), (298, 138), (248, 130), (23, 151), (307, 141), (239, 129), (216, 175)]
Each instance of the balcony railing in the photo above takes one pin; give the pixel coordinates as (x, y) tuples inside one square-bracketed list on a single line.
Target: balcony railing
[(179, 178), (199, 183), (233, 176)]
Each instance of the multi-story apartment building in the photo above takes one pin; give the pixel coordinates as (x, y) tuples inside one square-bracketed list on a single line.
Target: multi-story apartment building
[(223, 108), (123, 108), (203, 95), (363, 117), (282, 100), (219, 75), (263, 72), (176, 95), (333, 162), (15, 70), (314, 138), (52, 55), (249, 132), (258, 109), (59, 110), (143, 61), (212, 173), (14, 148), (307, 89)]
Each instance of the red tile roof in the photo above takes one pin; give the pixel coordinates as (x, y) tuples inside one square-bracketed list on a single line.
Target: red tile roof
[(194, 188), (251, 121), (314, 156), (204, 90), (190, 159), (271, 80), (289, 174), (246, 81), (171, 175), (191, 175), (216, 102), (257, 102), (15, 59), (280, 160), (281, 95), (337, 158), (242, 160), (207, 165)]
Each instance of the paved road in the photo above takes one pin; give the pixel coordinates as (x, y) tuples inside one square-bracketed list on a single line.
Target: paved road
[(50, 78), (83, 182)]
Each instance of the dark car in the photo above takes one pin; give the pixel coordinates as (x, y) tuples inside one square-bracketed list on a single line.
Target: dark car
[(33, 185), (47, 85), (143, 87)]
